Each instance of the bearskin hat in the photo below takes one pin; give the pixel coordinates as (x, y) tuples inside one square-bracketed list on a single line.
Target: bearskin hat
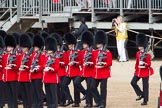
[(51, 44), (57, 37), (17, 37), (30, 34), (25, 41), (3, 34), (70, 38), (44, 34), (2, 44), (101, 37), (38, 41), (87, 37), (10, 41), (141, 40)]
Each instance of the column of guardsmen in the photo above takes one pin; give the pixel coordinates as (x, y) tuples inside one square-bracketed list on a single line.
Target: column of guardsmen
[(42, 59)]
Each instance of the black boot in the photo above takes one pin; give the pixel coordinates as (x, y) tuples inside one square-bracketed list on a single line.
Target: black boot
[(68, 102), (139, 97), (143, 103), (75, 105)]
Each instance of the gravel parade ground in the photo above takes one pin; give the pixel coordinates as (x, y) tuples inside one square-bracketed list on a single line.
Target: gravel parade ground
[(120, 93)]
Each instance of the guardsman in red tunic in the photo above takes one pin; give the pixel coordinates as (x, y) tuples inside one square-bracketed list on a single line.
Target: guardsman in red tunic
[(50, 72), (44, 35), (87, 67), (73, 70), (62, 56), (10, 67), (24, 70), (16, 35), (2, 51), (142, 69), (102, 63), (36, 71)]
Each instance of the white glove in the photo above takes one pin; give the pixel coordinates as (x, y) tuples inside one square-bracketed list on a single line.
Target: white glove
[(21, 69), (24, 66), (72, 63), (37, 66), (48, 69), (62, 63), (141, 63), (101, 63), (35, 69), (7, 67), (87, 63), (99, 66), (11, 65)]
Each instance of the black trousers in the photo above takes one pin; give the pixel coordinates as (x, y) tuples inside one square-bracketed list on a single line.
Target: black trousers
[(1, 94), (61, 94), (77, 84), (100, 98), (25, 94), (66, 90), (37, 95), (51, 95), (138, 91), (11, 88), (89, 99), (19, 97)]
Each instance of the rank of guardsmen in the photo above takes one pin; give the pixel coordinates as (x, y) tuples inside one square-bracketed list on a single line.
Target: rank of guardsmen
[(28, 61)]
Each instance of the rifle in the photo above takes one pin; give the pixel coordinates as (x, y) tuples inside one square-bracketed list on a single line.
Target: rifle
[(26, 58), (19, 51), (88, 55), (60, 55), (2, 51), (144, 55), (35, 62), (51, 61), (12, 57), (102, 54), (74, 54)]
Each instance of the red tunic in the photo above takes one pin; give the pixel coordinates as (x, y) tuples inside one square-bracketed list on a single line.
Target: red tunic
[(143, 72), (104, 72), (87, 71), (51, 76), (39, 73), (23, 75), (1, 72), (160, 98), (62, 69), (74, 70), (10, 74)]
